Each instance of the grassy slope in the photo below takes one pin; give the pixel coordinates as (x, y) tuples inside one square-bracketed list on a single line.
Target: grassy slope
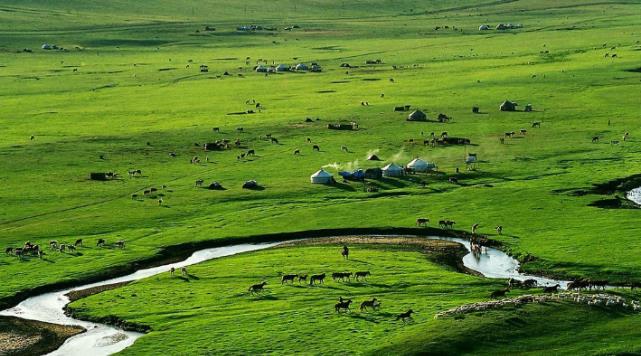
[(213, 304)]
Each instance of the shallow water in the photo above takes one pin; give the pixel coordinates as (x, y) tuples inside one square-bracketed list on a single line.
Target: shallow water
[(101, 339)]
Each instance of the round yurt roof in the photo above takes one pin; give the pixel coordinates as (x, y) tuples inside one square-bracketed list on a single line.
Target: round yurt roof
[(322, 173), (392, 167), (417, 115), (419, 164)]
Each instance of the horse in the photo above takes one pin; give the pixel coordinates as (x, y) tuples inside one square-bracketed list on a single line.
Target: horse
[(302, 277), (341, 276), (405, 316), (530, 283), (344, 148), (316, 148), (256, 288), (345, 252), (296, 152), (120, 244), (199, 182), (453, 180), (78, 242), (499, 229), (183, 271), (595, 139), (374, 304), (53, 244), (343, 305), (362, 274), (172, 271), (274, 140), (71, 248), (316, 277), (251, 152), (288, 277), (552, 289), (422, 221), (101, 242), (536, 124), (9, 250)]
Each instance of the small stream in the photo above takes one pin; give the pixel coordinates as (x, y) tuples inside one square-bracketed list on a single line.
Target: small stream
[(102, 339)]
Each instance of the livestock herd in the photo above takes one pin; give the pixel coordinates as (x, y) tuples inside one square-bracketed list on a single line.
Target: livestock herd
[(29, 249)]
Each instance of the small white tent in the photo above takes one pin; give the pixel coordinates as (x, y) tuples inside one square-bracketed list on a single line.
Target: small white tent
[(301, 66), (321, 177), (484, 28), (392, 170), (418, 165), (282, 68)]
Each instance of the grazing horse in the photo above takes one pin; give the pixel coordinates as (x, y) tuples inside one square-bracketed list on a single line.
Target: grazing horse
[(405, 316), (101, 242), (251, 152), (62, 247), (288, 277), (530, 283), (453, 180), (343, 305), (499, 229), (302, 277), (595, 139), (53, 244), (316, 277), (345, 252), (256, 288), (296, 152), (172, 271), (499, 293), (344, 148), (120, 244), (183, 271), (8, 250), (199, 182), (374, 304), (341, 276), (536, 124), (422, 221), (274, 140), (316, 148), (362, 274), (78, 242), (71, 248), (552, 289)]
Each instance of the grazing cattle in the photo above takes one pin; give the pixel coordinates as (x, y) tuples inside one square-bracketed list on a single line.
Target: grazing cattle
[(288, 277), (453, 180), (146, 192), (499, 229), (302, 277), (296, 152), (374, 304), (251, 152), (216, 129), (523, 131), (405, 316), (309, 140), (183, 271), (625, 136), (8, 250), (134, 197), (595, 139), (199, 182), (71, 247), (446, 224), (256, 288), (120, 244), (172, 271), (153, 190), (344, 149), (320, 278), (530, 283), (316, 148), (172, 154), (362, 274), (274, 140), (499, 293), (345, 252), (509, 134), (62, 247), (53, 244), (160, 201), (536, 124), (239, 129), (18, 252), (343, 305), (78, 242), (551, 289), (501, 140), (101, 242), (134, 172), (422, 221)]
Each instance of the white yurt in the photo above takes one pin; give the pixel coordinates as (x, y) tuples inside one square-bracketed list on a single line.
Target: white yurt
[(301, 66), (484, 28), (392, 170), (282, 68), (321, 177), (418, 165)]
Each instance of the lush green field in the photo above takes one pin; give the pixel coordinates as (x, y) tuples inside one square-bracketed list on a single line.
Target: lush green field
[(128, 89), (212, 312)]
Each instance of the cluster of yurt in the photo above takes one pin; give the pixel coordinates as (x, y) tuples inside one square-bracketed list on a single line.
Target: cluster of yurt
[(390, 170), (419, 165)]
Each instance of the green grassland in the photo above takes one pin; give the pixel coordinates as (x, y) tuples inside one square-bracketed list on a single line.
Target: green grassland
[(211, 312), (131, 86)]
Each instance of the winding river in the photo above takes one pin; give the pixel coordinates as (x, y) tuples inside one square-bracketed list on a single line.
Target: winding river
[(101, 339)]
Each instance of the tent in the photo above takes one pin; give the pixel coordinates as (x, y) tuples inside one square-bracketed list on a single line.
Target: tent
[(261, 68), (250, 184), (392, 170), (508, 106), (373, 173), (417, 115), (321, 177), (373, 158), (484, 28), (418, 165), (358, 174), (215, 186), (301, 66), (282, 68)]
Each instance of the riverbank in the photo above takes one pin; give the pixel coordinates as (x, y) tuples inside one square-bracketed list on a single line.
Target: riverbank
[(30, 337)]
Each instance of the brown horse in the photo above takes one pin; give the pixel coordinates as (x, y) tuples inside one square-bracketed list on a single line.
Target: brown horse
[(405, 316), (256, 288), (422, 221), (288, 277), (374, 304), (343, 305), (362, 274), (316, 277), (345, 252)]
